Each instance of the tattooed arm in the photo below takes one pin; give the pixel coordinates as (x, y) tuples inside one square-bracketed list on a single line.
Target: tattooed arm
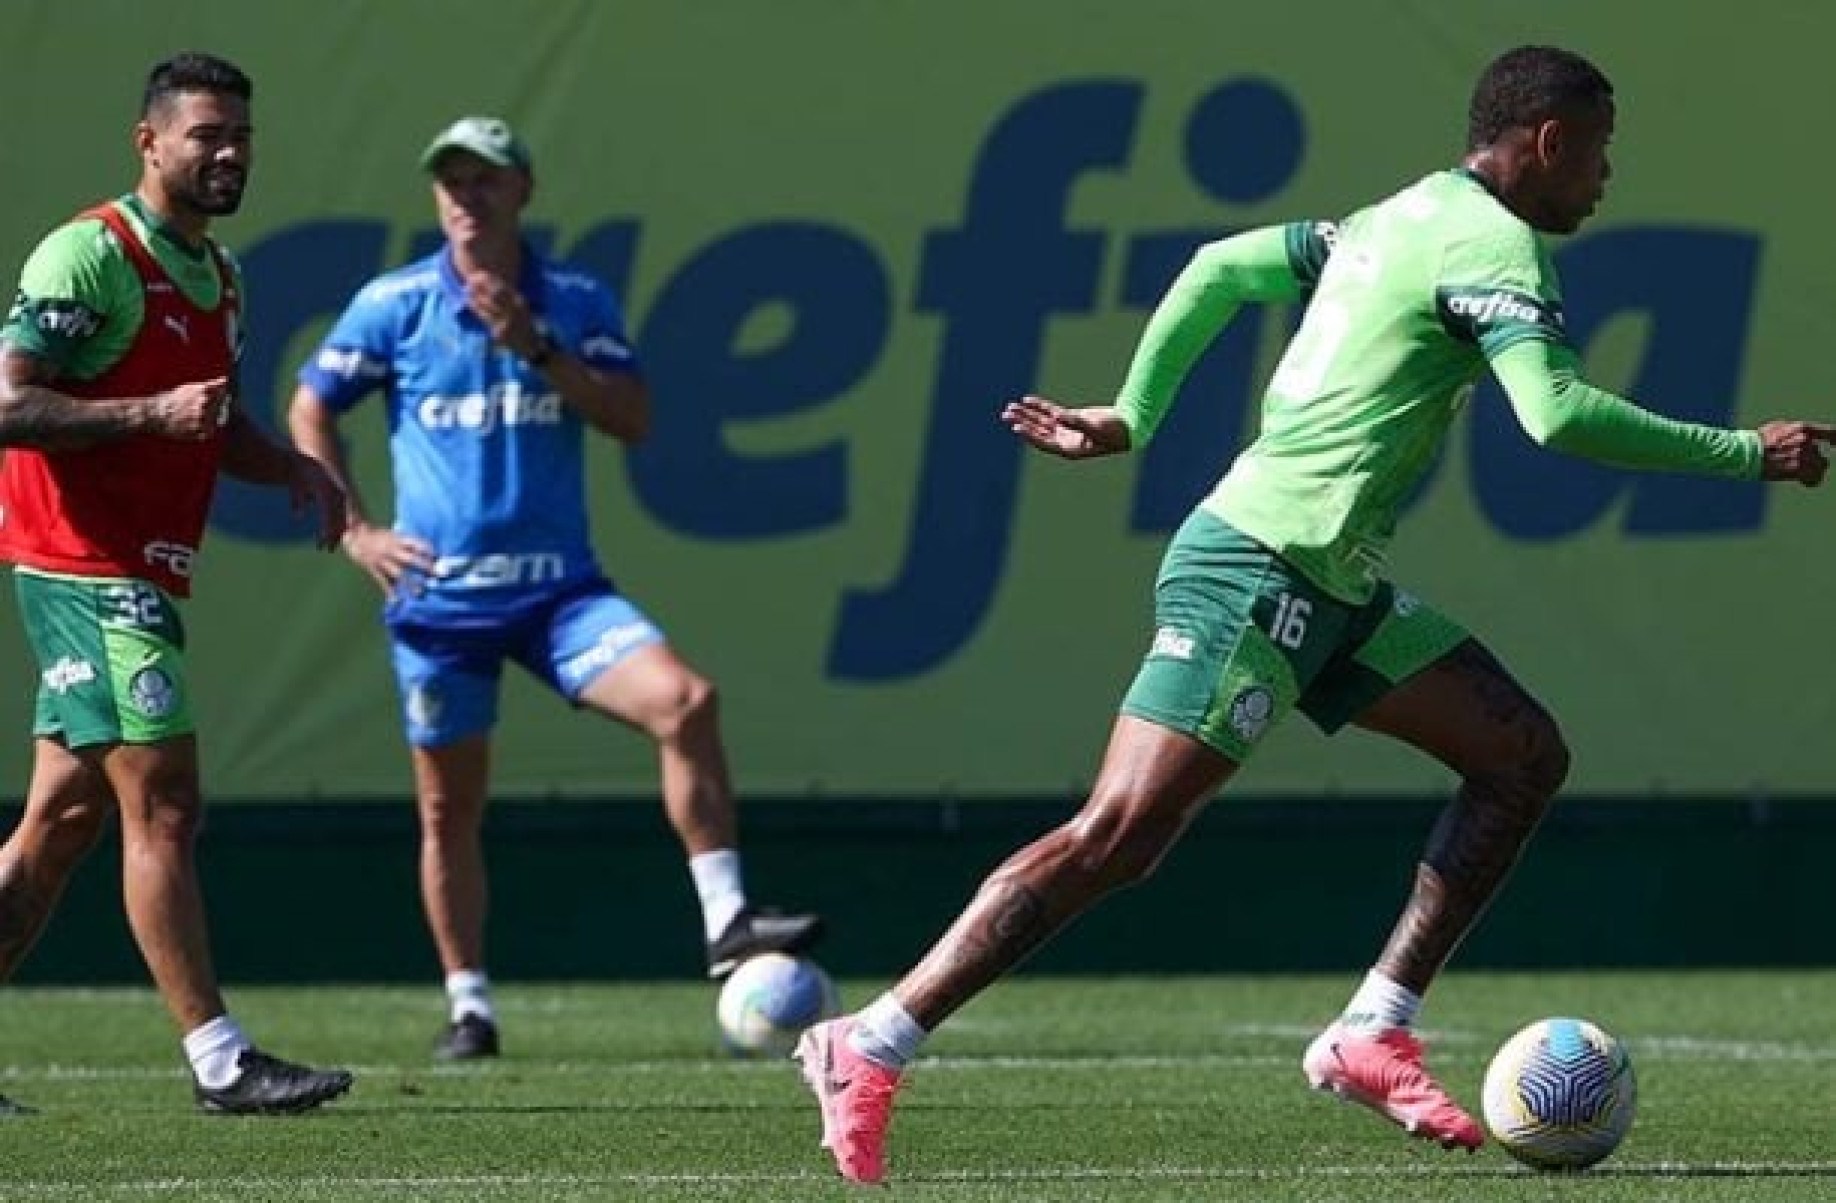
[(33, 414)]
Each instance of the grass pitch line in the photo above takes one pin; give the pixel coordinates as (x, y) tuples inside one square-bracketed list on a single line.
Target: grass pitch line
[(264, 1187), (1645, 1049)]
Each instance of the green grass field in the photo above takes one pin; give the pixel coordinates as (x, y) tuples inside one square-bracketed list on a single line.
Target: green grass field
[(1131, 1089)]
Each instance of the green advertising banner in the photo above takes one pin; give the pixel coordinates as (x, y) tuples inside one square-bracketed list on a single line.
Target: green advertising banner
[(845, 233)]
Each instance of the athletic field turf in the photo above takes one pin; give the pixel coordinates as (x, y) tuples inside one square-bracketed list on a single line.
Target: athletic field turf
[(1125, 1089)]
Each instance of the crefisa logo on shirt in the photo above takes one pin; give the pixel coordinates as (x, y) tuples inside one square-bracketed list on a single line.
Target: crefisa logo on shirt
[(1484, 308), (506, 404)]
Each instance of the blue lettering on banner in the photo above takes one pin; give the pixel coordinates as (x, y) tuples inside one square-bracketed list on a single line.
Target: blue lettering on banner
[(1693, 289), (994, 281), (833, 292)]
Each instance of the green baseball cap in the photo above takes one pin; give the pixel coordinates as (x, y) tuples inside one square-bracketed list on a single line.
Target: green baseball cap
[(487, 137)]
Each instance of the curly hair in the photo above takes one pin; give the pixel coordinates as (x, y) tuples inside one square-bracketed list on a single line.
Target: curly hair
[(1528, 85)]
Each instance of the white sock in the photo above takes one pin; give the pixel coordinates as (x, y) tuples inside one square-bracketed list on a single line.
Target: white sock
[(1381, 1003), (717, 883), (468, 992), (885, 1032), (212, 1048)]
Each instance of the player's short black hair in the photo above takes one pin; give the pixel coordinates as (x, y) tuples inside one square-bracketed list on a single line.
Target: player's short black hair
[(193, 71), (1530, 84)]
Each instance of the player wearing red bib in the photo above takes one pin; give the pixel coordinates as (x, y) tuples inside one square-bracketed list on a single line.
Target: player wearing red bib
[(118, 411)]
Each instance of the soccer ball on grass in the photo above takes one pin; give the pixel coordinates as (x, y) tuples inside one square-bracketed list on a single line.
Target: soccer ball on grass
[(1560, 1094), (768, 1001)]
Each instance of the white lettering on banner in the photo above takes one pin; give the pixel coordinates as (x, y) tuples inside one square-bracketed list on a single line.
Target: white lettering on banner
[(472, 572), (507, 404)]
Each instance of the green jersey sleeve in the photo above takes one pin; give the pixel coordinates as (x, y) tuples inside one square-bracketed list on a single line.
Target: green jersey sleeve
[(1563, 412), (1498, 287), (79, 301), (1498, 290), (1269, 264)]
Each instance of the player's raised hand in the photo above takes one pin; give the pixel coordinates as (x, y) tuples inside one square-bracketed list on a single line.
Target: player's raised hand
[(194, 410), (500, 305), (1794, 451), (1067, 433)]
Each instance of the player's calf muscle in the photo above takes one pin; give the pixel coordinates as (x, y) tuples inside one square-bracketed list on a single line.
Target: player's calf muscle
[(24, 906)]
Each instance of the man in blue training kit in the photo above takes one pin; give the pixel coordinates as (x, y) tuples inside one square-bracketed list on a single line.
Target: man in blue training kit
[(494, 361)]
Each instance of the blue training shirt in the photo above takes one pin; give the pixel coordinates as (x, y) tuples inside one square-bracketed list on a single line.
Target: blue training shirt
[(487, 458)]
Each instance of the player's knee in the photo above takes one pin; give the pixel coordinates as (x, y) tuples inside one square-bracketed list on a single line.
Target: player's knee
[(1546, 757), (1529, 768), (171, 817), (693, 708), (1118, 846), (52, 839), (449, 814), (73, 831)]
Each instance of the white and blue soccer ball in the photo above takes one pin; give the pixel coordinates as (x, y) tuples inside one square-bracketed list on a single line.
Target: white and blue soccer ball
[(1560, 1094), (769, 1000)]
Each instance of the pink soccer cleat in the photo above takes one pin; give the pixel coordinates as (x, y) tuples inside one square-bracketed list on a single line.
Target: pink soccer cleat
[(1384, 1071), (856, 1096)]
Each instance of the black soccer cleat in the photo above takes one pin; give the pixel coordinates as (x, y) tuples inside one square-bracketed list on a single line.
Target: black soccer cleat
[(468, 1038), (9, 1107), (757, 930), (269, 1086)]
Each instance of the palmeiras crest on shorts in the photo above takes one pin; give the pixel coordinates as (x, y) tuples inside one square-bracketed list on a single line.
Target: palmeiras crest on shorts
[(425, 705), (1250, 712), (151, 692)]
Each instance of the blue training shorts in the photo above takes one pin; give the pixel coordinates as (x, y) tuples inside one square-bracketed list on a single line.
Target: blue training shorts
[(448, 675)]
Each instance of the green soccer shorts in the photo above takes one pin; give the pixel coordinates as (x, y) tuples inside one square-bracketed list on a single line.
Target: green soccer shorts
[(110, 655), (1241, 638)]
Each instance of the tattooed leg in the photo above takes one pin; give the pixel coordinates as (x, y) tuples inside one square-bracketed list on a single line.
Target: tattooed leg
[(1153, 781), (1468, 712)]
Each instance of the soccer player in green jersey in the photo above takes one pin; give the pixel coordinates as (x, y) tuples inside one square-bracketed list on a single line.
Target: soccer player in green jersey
[(117, 414), (1272, 595)]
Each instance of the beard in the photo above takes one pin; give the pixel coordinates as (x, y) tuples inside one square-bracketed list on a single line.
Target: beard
[(215, 192)]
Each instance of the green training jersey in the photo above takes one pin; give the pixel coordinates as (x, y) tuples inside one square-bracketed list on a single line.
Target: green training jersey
[(80, 301), (1412, 298)]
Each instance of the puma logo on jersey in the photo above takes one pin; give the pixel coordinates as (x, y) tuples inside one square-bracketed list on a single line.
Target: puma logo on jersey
[(178, 326)]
